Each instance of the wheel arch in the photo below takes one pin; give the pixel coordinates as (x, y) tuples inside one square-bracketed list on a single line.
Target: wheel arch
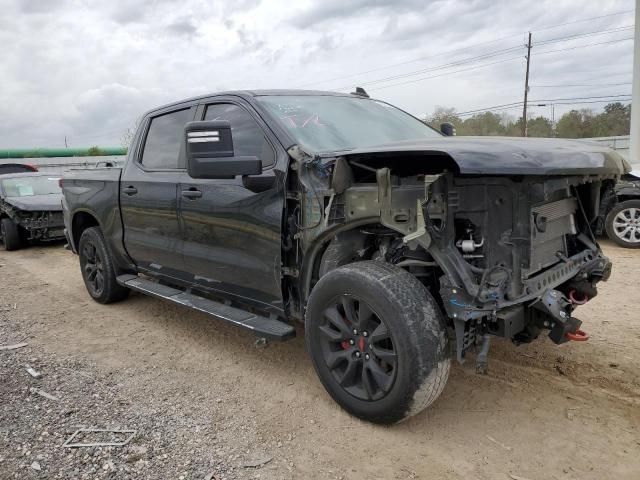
[(626, 196), (80, 221), (313, 256)]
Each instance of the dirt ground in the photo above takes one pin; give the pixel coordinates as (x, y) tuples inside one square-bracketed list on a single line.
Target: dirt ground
[(207, 403)]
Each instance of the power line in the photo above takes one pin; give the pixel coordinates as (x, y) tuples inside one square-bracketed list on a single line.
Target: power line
[(582, 35), (488, 64), (495, 107), (584, 46), (578, 98), (448, 52), (531, 104), (446, 73), (583, 20), (386, 67), (439, 67), (593, 101), (468, 60), (582, 85), (557, 101)]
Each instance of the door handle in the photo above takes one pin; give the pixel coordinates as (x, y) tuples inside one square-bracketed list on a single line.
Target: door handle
[(130, 190), (192, 193)]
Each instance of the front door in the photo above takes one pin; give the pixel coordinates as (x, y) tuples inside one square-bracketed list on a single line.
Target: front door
[(232, 227), (148, 196)]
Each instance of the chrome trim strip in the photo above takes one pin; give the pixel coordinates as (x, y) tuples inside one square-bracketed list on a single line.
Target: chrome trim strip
[(203, 139), (204, 133)]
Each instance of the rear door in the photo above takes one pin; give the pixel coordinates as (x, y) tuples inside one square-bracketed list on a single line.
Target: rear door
[(148, 194), (232, 227)]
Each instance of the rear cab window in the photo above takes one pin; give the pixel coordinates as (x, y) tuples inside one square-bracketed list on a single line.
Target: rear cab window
[(164, 141)]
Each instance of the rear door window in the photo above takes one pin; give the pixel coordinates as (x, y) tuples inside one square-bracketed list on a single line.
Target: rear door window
[(248, 138), (164, 139)]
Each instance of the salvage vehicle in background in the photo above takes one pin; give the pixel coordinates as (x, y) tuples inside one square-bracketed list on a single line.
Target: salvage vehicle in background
[(388, 240), (6, 167), (30, 209), (619, 214)]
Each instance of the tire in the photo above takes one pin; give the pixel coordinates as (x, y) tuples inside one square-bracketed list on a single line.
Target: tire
[(397, 373), (98, 271), (10, 233), (623, 224)]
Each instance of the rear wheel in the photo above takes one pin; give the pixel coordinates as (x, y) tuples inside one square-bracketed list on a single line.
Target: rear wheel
[(377, 340), (623, 224), (98, 271), (10, 233)]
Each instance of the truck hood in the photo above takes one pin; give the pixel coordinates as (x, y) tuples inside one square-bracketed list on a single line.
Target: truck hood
[(511, 155), (50, 203)]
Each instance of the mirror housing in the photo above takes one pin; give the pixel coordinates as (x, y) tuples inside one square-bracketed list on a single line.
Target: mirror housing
[(447, 129), (210, 154)]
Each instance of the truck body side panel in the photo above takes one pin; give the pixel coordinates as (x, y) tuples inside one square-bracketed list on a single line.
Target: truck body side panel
[(151, 232), (96, 195), (232, 237)]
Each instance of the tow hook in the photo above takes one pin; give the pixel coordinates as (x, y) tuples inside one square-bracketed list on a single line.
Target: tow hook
[(577, 336), (556, 315)]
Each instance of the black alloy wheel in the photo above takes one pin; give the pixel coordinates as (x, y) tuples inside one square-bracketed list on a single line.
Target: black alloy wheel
[(358, 348), (98, 270), (92, 268), (377, 340)]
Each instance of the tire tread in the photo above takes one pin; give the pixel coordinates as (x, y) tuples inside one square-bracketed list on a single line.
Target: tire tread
[(113, 291), (426, 325), (12, 240)]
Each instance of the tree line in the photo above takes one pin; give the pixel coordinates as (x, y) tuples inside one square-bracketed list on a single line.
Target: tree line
[(614, 120)]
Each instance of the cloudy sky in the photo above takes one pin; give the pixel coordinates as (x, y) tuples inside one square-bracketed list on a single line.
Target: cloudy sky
[(86, 69)]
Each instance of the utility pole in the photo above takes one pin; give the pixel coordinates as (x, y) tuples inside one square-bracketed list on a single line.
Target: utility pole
[(526, 89), (634, 147)]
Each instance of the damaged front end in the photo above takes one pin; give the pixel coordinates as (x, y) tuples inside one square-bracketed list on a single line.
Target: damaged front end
[(43, 226), (36, 224), (505, 255)]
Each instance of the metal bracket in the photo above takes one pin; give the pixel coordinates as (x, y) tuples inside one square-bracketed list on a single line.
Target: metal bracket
[(290, 272), (465, 337)]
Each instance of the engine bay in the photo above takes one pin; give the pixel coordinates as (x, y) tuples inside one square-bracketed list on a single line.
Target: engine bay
[(505, 255)]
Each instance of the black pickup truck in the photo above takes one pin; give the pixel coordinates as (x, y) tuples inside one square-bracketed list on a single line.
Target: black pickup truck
[(397, 247)]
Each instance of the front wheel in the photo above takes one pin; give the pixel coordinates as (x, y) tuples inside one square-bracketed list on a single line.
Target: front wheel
[(623, 224), (10, 233), (98, 271), (378, 341)]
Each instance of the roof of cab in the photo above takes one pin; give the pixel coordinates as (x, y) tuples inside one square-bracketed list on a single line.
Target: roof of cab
[(255, 93)]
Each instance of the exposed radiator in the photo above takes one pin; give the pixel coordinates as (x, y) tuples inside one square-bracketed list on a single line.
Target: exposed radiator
[(550, 223)]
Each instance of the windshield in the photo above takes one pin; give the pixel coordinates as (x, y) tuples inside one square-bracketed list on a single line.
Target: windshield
[(326, 123), (29, 186)]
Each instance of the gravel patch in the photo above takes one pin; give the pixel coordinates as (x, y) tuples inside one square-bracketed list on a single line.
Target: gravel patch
[(181, 435)]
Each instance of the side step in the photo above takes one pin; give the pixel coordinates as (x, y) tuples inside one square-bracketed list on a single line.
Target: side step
[(261, 326)]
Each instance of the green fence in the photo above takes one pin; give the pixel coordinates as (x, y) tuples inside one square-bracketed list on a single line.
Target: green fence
[(61, 152)]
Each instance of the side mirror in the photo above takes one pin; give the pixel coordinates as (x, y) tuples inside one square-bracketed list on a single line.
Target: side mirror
[(448, 129), (209, 150)]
